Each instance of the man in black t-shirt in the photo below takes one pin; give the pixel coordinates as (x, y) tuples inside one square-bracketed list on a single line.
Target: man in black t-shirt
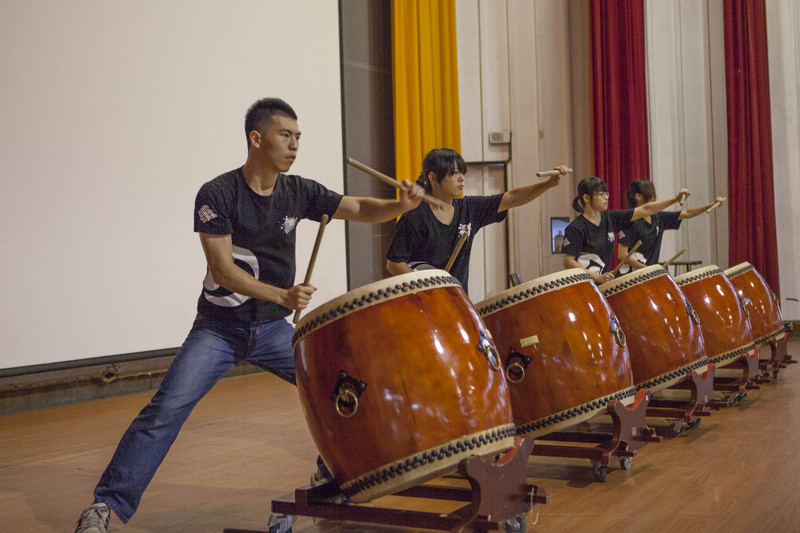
[(246, 220)]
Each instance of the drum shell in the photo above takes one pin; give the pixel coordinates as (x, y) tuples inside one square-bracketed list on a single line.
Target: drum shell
[(764, 312), (664, 339), (726, 329), (563, 324), (428, 387)]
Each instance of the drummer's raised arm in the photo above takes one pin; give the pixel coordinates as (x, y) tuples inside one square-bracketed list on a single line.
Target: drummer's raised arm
[(694, 211), (651, 208), (527, 193)]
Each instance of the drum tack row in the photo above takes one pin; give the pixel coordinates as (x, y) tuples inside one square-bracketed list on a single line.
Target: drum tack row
[(405, 380)]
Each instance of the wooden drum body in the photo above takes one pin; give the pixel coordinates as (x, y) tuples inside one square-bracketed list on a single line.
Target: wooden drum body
[(726, 329), (663, 333), (761, 304), (563, 350), (399, 381)]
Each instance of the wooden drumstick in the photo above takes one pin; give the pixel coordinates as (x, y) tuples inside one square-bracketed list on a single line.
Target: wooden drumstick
[(390, 181), (713, 206), (456, 250), (323, 221), (681, 198), (668, 263), (630, 253), (548, 173)]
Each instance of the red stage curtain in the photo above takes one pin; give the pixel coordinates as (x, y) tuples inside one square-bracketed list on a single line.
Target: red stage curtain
[(620, 140), (751, 200)]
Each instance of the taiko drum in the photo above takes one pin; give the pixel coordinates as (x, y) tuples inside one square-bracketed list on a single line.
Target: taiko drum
[(726, 329), (663, 333), (563, 350), (399, 381), (761, 304)]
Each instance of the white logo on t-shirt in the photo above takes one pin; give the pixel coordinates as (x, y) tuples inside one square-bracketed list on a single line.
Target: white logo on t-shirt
[(205, 213), (288, 224), (465, 228), (610, 236)]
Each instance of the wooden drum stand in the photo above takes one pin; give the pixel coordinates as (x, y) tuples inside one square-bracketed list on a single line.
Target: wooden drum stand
[(498, 499)]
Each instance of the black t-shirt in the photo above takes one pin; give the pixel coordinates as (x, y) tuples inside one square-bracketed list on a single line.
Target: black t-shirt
[(650, 235), (423, 241), (262, 229), (593, 246)]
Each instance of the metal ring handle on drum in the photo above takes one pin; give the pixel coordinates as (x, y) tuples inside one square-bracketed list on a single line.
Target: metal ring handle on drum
[(620, 335), (345, 394), (493, 357), (745, 303), (515, 364), (616, 329)]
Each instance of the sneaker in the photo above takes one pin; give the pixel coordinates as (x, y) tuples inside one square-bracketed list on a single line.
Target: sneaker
[(94, 519)]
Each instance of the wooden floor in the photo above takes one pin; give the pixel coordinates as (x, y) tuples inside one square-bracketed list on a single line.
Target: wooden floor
[(247, 443)]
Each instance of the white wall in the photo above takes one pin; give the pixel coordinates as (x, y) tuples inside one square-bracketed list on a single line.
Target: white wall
[(503, 47), (680, 121), (113, 114), (783, 27)]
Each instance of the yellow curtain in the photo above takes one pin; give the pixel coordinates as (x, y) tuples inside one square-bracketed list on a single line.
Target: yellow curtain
[(425, 73)]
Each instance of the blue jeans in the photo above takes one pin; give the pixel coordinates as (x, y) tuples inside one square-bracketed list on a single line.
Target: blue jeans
[(210, 350)]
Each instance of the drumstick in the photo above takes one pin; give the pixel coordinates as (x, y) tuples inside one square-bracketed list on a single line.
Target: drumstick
[(548, 173), (668, 263), (390, 181), (456, 250), (713, 206), (681, 198), (630, 253), (322, 222)]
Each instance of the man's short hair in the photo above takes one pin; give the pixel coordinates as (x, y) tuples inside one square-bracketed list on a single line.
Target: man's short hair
[(259, 116)]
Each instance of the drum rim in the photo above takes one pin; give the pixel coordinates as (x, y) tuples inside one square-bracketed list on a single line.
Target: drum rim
[(738, 270), (532, 289), (575, 414), (373, 293), (368, 485), (631, 279), (696, 275)]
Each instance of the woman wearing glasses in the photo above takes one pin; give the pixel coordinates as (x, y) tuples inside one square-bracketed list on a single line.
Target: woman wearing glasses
[(589, 239)]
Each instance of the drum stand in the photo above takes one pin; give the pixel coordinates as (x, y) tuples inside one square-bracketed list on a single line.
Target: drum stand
[(688, 414), (499, 498), (630, 434), (750, 379), (778, 357)]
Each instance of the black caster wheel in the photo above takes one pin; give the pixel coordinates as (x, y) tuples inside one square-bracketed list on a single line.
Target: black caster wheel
[(775, 373), (676, 432), (599, 472), (695, 423), (516, 524), (625, 463), (281, 523)]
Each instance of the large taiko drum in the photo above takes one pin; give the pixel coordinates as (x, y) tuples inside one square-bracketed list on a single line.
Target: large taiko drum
[(563, 351), (726, 329), (399, 381), (663, 331), (762, 305)]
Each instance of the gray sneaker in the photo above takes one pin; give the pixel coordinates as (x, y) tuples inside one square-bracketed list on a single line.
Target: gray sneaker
[(94, 519)]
